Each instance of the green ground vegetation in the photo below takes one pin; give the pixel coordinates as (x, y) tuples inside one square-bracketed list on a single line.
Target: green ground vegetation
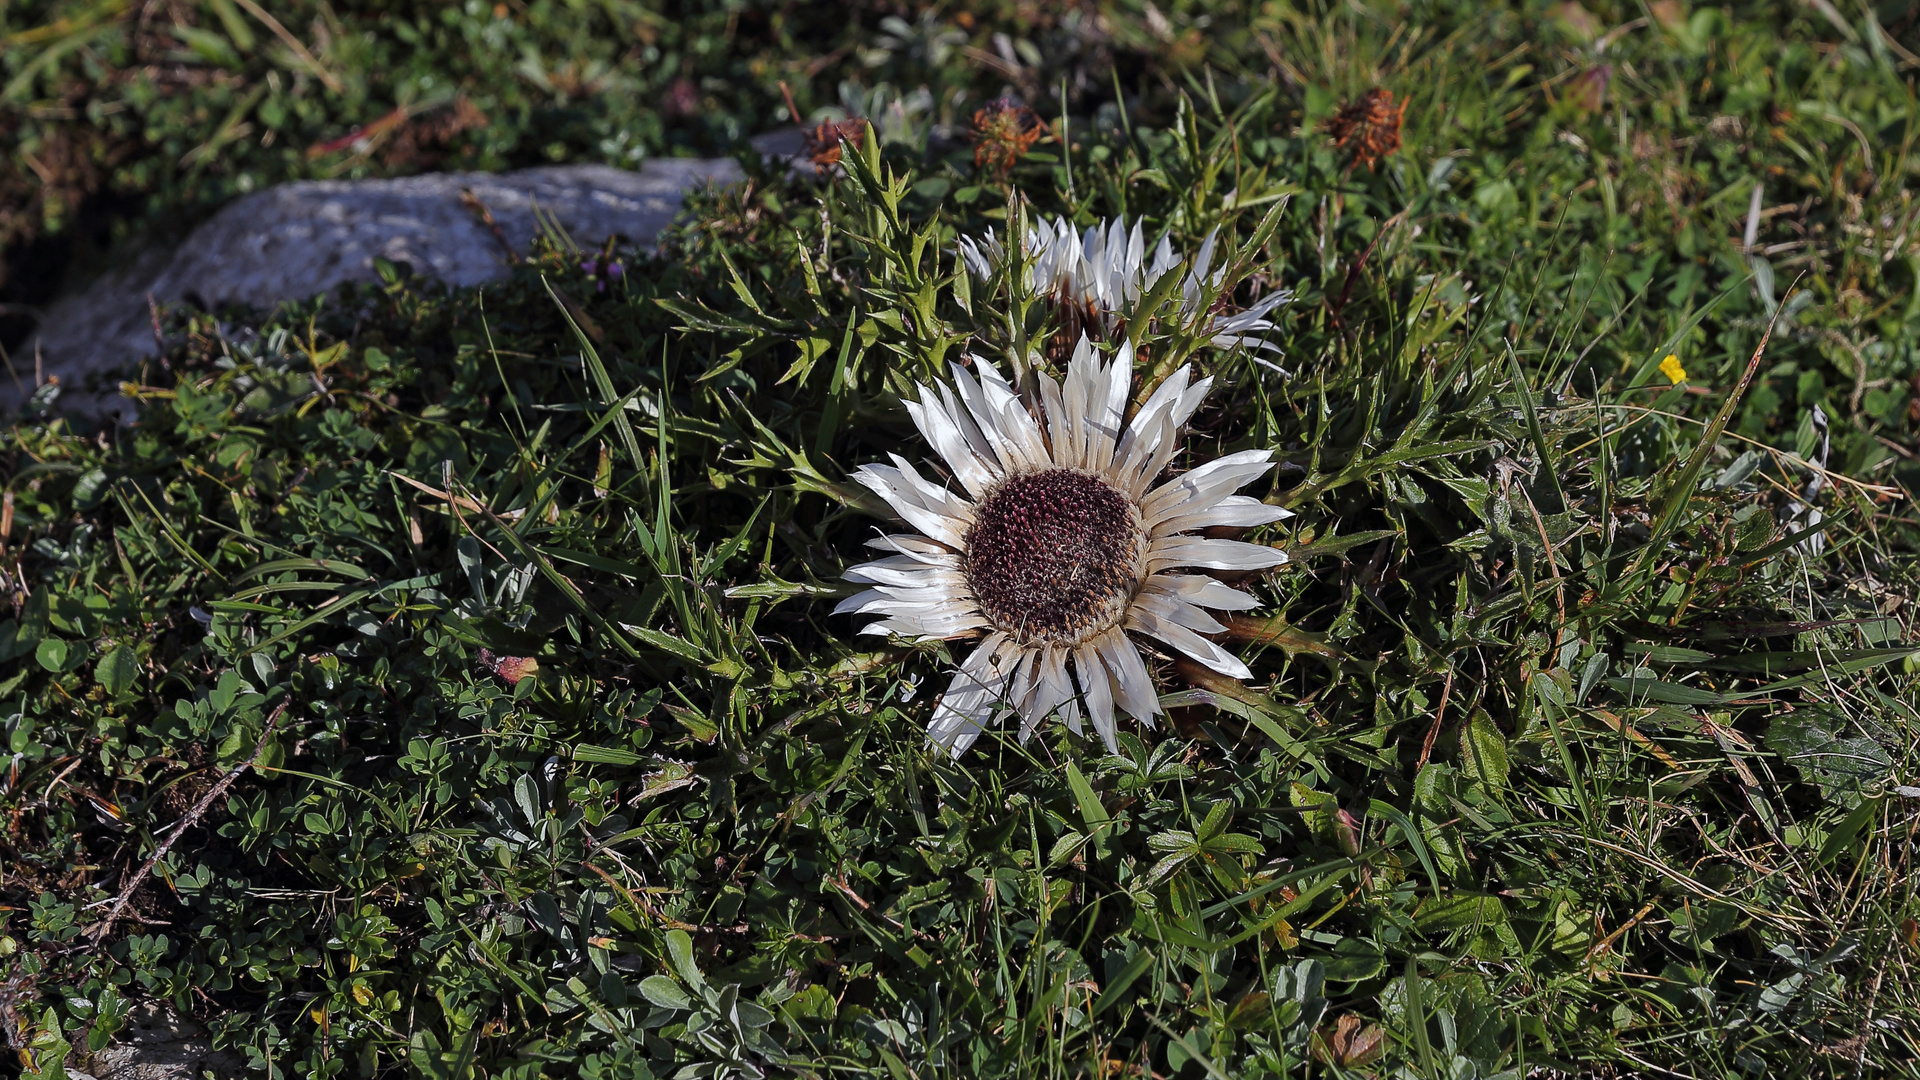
[(1582, 738)]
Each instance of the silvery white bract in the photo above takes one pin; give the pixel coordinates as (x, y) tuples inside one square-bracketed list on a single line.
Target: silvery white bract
[(1101, 274), (1056, 550)]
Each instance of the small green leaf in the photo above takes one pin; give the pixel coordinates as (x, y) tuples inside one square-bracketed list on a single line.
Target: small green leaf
[(1433, 792), (815, 1002), (605, 755), (87, 490), (1354, 960), (52, 654), (1236, 843), (680, 949), (1670, 654), (1063, 849), (1483, 750), (1459, 911), (1839, 765), (753, 1016), (526, 792), (1091, 812), (118, 670), (664, 992)]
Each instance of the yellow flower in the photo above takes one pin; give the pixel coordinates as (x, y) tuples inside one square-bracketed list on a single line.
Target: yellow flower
[(1670, 367)]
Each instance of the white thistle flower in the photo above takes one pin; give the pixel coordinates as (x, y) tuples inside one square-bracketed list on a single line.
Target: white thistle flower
[(1096, 278), (1058, 549)]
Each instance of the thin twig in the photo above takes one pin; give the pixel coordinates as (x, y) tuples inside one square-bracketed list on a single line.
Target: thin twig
[(847, 890), (1440, 711), (458, 502), (1336, 307), (792, 109), (641, 905), (1553, 566), (101, 929), (1607, 942)]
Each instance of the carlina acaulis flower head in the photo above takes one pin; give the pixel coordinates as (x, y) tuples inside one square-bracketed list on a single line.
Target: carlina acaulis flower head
[(1061, 548), (1004, 129), (1095, 282), (1368, 129)]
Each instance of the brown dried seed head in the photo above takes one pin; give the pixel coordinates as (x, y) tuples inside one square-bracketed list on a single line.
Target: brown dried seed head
[(1003, 131), (1368, 129), (823, 140)]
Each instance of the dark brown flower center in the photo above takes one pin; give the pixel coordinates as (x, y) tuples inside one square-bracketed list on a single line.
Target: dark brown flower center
[(1054, 557)]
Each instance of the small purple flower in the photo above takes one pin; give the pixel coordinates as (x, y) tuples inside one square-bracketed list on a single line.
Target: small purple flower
[(600, 268)]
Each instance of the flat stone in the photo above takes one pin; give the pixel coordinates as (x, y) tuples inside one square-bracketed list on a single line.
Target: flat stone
[(158, 1045), (299, 239)]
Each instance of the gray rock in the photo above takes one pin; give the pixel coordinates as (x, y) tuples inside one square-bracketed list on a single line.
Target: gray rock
[(299, 239), (157, 1045)]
